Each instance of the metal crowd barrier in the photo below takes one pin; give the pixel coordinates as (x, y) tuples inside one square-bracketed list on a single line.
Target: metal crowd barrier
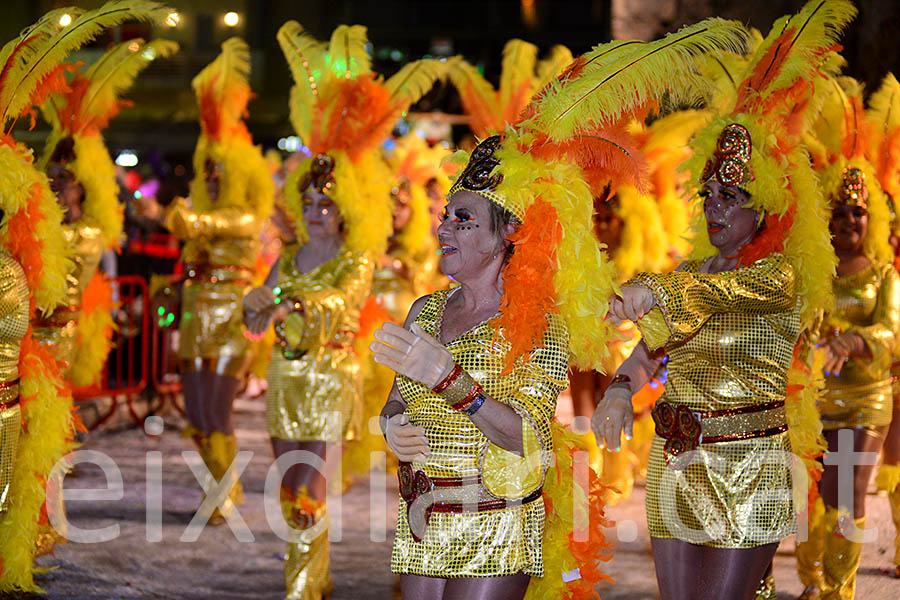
[(140, 360)]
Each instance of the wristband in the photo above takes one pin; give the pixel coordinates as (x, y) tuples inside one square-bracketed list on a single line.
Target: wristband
[(448, 380), (468, 399), (621, 380), (460, 389), (475, 404)]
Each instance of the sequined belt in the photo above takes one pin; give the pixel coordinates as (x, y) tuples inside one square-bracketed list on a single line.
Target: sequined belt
[(207, 273), (447, 495), (9, 394), (684, 429)]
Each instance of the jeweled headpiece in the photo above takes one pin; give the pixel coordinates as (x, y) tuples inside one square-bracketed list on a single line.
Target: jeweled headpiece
[(853, 190), (320, 175), (730, 162), (479, 176)]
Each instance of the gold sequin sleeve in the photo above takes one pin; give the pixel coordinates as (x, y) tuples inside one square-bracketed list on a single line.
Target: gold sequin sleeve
[(866, 303), (324, 309), (540, 381), (188, 224), (881, 336), (686, 299)]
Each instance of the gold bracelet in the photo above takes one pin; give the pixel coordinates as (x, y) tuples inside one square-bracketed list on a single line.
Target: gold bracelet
[(459, 389)]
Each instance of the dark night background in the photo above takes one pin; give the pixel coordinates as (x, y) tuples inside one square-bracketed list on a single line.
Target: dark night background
[(163, 119)]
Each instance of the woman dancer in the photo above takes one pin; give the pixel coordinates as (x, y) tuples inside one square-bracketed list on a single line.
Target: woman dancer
[(761, 247), (339, 201)]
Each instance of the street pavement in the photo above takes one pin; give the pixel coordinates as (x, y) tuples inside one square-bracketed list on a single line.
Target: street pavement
[(219, 566)]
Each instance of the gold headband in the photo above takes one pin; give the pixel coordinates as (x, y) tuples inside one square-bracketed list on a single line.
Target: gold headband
[(477, 176), (320, 175), (730, 162), (853, 190)]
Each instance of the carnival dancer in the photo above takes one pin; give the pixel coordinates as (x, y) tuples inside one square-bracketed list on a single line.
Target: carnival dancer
[(480, 366), (39, 431), (231, 196), (339, 201), (82, 175), (761, 245), (883, 116), (858, 338)]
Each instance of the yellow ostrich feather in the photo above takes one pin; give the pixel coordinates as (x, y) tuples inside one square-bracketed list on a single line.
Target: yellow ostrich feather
[(883, 116), (50, 43), (620, 76), (521, 78)]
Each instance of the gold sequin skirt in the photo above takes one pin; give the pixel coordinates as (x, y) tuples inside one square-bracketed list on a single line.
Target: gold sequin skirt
[(473, 544), (10, 426), (315, 397), (212, 322), (734, 494), (866, 405)]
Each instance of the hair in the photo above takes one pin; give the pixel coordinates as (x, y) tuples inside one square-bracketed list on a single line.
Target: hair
[(500, 218), (64, 152)]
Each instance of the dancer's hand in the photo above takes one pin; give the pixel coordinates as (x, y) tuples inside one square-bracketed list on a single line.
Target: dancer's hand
[(612, 415), (839, 349), (260, 310), (412, 353), (634, 302), (406, 440), (259, 299)]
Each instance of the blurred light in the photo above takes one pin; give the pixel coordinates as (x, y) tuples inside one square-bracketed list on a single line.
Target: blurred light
[(134, 47), (149, 53), (138, 194), (173, 19), (127, 158), (529, 13), (232, 19), (179, 170), (290, 144), (65, 20), (396, 55)]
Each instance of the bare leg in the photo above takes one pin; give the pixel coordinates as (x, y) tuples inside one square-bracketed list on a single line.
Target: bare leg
[(677, 568), (510, 587), (303, 475), (583, 387), (863, 441), (416, 587), (892, 439), (219, 402), (733, 573), (192, 383)]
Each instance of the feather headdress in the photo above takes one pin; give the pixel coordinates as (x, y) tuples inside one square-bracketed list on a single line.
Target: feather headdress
[(883, 117), (223, 92), (572, 145), (415, 162), (523, 75), (83, 111), (30, 70), (773, 100), (840, 143), (340, 108)]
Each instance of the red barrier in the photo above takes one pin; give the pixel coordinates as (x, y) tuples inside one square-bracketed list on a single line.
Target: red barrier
[(126, 371)]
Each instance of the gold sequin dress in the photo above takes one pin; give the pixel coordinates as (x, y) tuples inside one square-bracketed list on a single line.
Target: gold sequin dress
[(58, 330), (13, 326), (730, 338), (315, 382), (221, 247), (867, 303), (495, 542)]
